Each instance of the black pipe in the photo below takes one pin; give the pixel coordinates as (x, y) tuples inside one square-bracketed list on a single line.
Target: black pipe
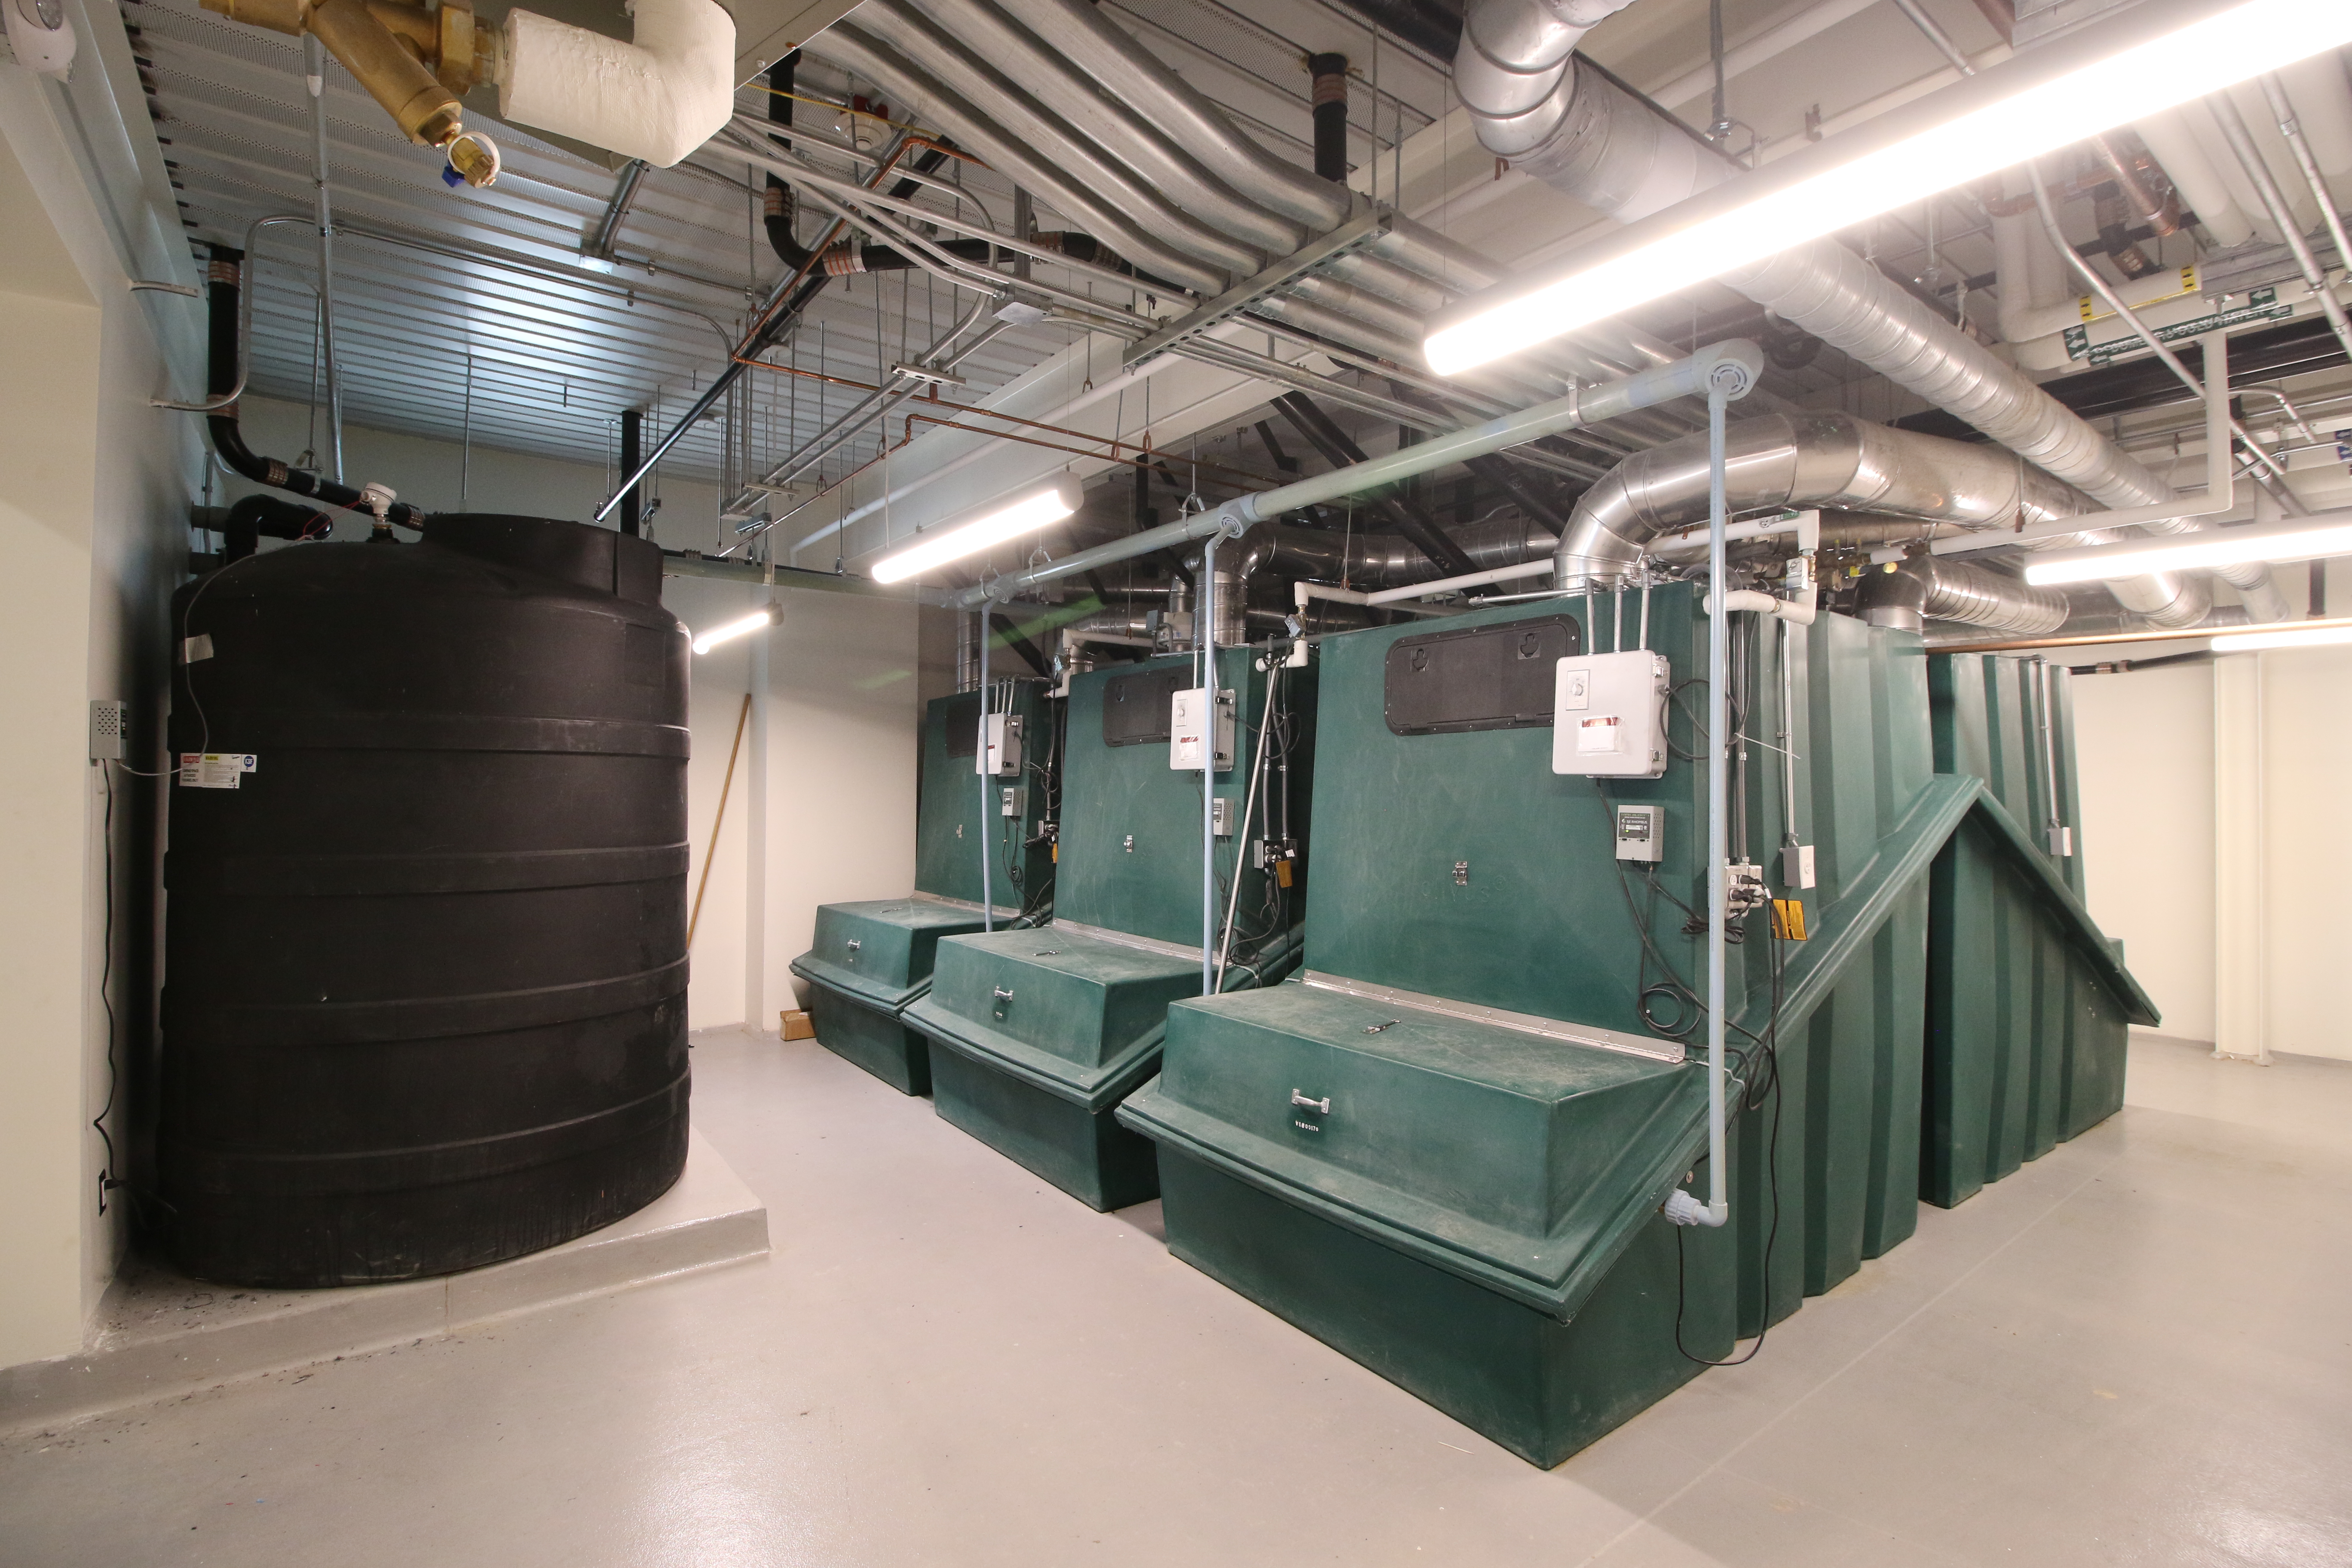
[(1330, 100), (1432, 26), (226, 280), (632, 430), (246, 522), (1418, 527)]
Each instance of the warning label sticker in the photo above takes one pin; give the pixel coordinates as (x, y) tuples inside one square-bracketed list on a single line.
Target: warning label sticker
[(1598, 734), (214, 770)]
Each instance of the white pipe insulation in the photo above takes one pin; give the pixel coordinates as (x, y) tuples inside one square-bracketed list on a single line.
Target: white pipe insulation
[(657, 98)]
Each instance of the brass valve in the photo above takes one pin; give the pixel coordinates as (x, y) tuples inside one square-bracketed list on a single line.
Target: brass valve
[(415, 62)]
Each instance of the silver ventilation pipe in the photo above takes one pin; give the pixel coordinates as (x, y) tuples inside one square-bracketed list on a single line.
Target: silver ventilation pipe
[(946, 62), (1593, 141), (846, 47), (1908, 594), (1828, 460), (1121, 130)]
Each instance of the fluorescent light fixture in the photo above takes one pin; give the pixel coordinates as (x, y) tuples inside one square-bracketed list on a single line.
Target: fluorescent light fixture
[(2254, 642), (1024, 514), (766, 616), (2298, 539), (2146, 58)]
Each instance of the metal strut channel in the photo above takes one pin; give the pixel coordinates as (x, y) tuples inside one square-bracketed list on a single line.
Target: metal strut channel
[(1656, 1049), (1367, 221)]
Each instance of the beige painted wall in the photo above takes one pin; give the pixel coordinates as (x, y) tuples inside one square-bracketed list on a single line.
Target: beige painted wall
[(94, 491), (2145, 747)]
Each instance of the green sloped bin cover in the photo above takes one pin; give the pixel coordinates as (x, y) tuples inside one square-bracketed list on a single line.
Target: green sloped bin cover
[(1521, 1163), (1083, 1019)]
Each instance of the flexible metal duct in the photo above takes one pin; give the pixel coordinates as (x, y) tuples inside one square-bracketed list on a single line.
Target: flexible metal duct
[(1827, 460), (1596, 143), (1909, 593)]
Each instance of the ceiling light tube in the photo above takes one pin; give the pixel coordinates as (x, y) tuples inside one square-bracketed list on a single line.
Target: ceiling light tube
[(1024, 514), (2300, 539), (766, 616), (2255, 642), (2149, 57)]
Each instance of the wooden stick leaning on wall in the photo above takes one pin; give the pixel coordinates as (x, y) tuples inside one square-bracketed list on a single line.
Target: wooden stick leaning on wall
[(703, 884)]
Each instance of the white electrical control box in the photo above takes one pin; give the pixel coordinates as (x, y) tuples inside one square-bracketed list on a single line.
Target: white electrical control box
[(1797, 865), (1609, 715), (1192, 728), (1641, 833), (1001, 757)]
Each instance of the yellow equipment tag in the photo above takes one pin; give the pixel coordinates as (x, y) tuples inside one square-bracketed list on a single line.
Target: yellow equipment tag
[(1788, 919)]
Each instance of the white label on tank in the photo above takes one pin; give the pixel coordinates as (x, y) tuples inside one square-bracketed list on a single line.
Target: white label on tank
[(214, 770), (1597, 734)]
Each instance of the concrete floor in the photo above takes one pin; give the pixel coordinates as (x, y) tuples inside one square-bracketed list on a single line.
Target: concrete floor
[(2136, 1350)]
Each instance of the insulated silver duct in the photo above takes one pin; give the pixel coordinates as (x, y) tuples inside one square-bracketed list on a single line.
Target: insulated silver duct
[(1830, 460), (1909, 593), (1596, 143)]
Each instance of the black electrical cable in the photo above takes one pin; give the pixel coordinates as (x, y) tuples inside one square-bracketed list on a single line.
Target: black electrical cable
[(106, 1180)]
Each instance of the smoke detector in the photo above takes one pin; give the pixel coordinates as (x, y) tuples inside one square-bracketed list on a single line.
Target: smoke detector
[(40, 34)]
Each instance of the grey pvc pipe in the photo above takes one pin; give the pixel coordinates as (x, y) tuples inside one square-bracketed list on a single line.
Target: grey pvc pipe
[(980, 765), (1205, 639)]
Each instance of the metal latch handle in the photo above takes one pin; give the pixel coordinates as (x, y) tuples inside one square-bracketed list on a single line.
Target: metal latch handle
[(1002, 994), (855, 944), (1323, 1105)]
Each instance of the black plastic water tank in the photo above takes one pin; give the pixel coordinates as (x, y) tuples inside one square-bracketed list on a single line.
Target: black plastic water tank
[(425, 1003)]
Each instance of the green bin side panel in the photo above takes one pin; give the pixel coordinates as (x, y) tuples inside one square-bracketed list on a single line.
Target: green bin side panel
[(952, 813), (1085, 1153), (872, 1037), (2025, 1044), (1130, 827), (1539, 1388)]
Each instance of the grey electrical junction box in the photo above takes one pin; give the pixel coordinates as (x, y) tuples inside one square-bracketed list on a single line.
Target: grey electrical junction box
[(1641, 833)]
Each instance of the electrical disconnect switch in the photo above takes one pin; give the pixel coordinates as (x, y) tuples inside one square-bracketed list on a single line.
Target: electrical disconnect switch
[(1192, 729), (1016, 800), (1001, 757), (1641, 833), (1220, 815)]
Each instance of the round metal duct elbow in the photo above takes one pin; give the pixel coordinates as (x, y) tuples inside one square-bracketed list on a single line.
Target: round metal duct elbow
[(1908, 594)]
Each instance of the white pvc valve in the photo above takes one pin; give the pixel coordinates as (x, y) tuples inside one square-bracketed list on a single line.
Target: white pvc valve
[(1684, 1209)]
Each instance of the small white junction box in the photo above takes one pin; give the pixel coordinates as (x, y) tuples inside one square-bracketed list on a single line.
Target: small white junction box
[(1190, 726), (1609, 715)]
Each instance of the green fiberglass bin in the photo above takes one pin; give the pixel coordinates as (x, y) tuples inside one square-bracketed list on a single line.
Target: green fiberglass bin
[(871, 960), (2029, 1008), (1039, 1034), (1442, 1147)]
